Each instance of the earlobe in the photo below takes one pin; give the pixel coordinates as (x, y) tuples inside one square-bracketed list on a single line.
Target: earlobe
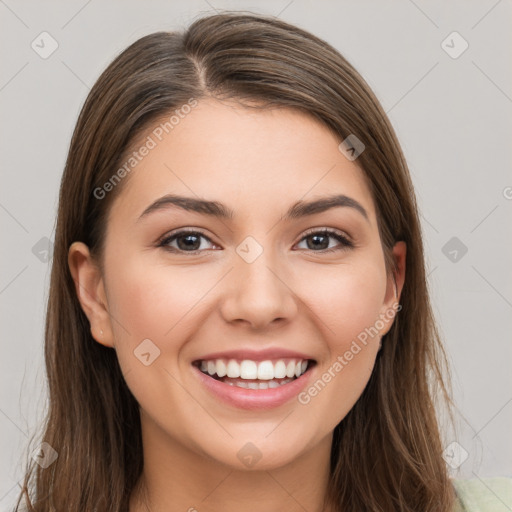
[(90, 292)]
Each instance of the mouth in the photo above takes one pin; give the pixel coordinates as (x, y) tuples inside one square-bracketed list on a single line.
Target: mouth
[(255, 375)]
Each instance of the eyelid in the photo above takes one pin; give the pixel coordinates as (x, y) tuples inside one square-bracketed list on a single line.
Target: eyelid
[(161, 242), (322, 229), (346, 242)]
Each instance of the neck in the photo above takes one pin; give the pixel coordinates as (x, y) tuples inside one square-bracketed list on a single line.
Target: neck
[(177, 478)]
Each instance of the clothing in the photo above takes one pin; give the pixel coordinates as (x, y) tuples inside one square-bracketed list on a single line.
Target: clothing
[(483, 494)]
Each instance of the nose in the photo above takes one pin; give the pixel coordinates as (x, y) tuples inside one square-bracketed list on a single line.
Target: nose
[(259, 293)]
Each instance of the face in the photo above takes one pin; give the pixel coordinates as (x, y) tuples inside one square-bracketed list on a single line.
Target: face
[(258, 284)]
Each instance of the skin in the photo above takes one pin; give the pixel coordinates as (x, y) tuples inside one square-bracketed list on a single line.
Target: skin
[(292, 296)]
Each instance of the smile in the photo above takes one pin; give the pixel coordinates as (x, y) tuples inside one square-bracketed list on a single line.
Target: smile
[(253, 384), (226, 370)]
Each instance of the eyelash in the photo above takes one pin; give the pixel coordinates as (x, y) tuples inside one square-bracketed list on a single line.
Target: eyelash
[(345, 242)]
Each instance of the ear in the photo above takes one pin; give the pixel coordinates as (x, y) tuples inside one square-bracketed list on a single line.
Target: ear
[(394, 287), (90, 291)]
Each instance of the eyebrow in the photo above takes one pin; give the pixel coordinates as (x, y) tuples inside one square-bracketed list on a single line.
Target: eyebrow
[(219, 210)]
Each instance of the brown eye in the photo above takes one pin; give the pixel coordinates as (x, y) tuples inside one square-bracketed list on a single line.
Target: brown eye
[(187, 241), (318, 241)]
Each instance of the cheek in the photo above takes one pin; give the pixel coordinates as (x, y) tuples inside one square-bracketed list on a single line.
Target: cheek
[(346, 301), (152, 301), (156, 303), (351, 346)]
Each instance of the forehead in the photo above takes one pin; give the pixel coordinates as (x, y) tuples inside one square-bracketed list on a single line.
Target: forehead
[(252, 160)]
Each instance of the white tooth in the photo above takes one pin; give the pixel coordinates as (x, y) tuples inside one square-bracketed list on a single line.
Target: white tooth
[(252, 385), (273, 384), (265, 371), (230, 383), (241, 384), (233, 369), (204, 366), (280, 370), (264, 385), (248, 369), (290, 369), (221, 367)]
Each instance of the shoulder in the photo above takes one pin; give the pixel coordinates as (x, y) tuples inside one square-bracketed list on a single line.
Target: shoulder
[(483, 494)]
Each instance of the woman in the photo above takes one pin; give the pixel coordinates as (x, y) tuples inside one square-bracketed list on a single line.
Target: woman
[(238, 316)]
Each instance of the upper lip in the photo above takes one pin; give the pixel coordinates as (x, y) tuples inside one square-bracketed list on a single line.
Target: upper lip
[(255, 355)]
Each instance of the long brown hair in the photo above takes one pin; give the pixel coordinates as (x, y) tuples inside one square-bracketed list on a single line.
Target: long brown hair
[(387, 452)]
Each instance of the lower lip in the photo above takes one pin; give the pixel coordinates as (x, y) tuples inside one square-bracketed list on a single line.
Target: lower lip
[(253, 399)]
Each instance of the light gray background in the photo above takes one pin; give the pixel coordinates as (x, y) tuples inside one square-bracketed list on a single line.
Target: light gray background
[(453, 119)]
